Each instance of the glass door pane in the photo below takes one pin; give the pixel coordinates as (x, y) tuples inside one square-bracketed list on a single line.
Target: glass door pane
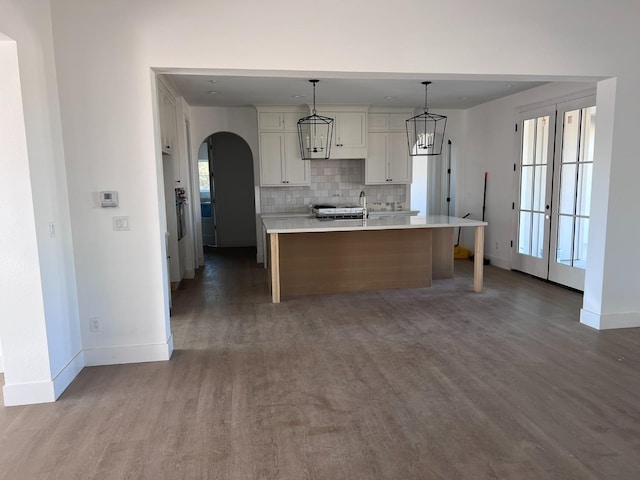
[(534, 171), (533, 186), (575, 138), (575, 185)]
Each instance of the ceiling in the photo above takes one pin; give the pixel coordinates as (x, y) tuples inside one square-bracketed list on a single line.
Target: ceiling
[(247, 90)]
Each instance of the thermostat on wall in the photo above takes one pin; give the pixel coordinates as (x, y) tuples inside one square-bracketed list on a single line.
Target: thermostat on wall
[(108, 199)]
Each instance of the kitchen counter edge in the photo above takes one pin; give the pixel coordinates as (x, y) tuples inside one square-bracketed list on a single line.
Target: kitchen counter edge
[(310, 225)]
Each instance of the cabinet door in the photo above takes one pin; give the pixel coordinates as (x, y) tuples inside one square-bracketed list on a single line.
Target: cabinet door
[(167, 120), (376, 162), (291, 121), (378, 122), (399, 159), (397, 121), (296, 170), (270, 121), (351, 130), (271, 158)]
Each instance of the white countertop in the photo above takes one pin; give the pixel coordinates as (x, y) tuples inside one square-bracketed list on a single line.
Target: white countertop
[(307, 225)]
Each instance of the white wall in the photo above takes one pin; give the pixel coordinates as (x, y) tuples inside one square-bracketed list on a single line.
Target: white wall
[(39, 318)]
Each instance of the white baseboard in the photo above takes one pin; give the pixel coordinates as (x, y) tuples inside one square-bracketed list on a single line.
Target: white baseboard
[(28, 393), (189, 273), (602, 321), (129, 354), (500, 262), (43, 392)]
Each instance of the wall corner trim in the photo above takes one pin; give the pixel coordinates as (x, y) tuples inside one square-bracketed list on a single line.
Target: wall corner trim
[(601, 321), (70, 371), (47, 391)]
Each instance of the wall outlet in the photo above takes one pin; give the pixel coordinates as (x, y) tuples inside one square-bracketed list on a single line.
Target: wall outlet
[(95, 325), (52, 229)]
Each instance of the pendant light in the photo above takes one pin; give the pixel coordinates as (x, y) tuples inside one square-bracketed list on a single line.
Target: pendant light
[(425, 132), (315, 133)]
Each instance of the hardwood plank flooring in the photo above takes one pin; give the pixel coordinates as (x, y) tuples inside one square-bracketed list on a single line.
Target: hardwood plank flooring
[(431, 383)]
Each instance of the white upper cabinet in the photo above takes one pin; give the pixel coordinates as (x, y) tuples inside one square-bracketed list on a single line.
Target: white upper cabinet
[(398, 121), (378, 122), (271, 121), (399, 158), (389, 122), (349, 131), (278, 121), (376, 164), (388, 159), (167, 111), (281, 163), (271, 158)]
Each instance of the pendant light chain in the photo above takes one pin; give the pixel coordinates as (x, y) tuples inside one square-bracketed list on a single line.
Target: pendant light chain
[(425, 99), (314, 97), (426, 89)]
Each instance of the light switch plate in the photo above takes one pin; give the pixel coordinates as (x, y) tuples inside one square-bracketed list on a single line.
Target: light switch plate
[(121, 223)]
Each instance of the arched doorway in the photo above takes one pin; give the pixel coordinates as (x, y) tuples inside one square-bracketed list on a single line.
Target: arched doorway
[(225, 166)]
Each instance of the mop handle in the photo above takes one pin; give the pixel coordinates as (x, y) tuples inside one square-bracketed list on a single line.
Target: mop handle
[(484, 195)]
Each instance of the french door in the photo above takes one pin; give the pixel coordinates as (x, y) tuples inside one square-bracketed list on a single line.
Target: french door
[(553, 200)]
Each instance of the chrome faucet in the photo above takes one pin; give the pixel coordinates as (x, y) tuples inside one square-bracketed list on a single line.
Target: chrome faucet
[(363, 202)]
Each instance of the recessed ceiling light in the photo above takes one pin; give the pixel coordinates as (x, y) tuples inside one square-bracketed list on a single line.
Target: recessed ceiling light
[(509, 85), (462, 98), (297, 96), (212, 92), (388, 97), (213, 81)]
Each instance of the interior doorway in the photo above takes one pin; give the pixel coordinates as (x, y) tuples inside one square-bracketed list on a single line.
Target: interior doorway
[(227, 194), (553, 201)]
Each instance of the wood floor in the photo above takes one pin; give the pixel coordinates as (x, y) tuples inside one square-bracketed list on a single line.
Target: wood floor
[(434, 383)]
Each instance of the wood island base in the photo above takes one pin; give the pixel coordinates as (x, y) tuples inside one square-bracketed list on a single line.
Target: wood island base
[(347, 261)]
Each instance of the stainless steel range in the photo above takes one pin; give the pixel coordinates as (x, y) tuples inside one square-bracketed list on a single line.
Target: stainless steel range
[(329, 212)]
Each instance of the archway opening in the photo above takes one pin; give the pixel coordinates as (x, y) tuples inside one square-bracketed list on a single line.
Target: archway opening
[(227, 193)]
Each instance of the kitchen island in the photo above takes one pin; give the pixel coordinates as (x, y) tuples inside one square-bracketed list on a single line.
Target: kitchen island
[(308, 255)]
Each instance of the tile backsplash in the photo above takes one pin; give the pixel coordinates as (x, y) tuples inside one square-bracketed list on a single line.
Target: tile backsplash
[(334, 182)]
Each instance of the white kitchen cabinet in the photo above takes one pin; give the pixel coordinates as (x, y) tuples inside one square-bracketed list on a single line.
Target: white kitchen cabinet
[(389, 122), (281, 163), (349, 131), (388, 160), (167, 111), (279, 121)]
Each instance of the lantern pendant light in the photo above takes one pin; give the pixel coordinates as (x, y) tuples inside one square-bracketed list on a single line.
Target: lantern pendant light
[(315, 133), (425, 132)]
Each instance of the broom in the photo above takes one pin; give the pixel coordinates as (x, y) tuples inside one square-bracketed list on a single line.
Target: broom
[(485, 260), (458, 251)]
